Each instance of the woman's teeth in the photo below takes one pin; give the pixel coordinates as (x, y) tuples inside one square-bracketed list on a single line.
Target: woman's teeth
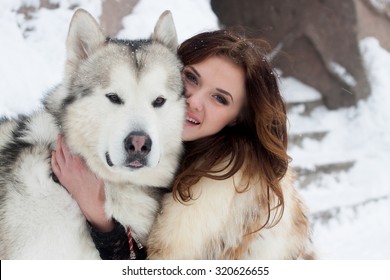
[(191, 120)]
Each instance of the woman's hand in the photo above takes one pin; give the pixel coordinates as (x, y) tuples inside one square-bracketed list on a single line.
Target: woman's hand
[(84, 186)]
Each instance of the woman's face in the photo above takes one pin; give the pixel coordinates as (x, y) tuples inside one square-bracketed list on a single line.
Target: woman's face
[(215, 93)]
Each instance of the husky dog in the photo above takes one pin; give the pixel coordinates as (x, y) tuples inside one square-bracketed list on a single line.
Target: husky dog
[(120, 107)]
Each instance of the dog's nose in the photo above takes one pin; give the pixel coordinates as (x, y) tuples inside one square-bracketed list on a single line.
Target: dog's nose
[(138, 143)]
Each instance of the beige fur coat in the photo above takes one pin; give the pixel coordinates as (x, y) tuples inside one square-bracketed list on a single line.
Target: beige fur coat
[(221, 223)]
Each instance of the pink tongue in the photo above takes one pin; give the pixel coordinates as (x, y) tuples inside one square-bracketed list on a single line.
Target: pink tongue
[(136, 164)]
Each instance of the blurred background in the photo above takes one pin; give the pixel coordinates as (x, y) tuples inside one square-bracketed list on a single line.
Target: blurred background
[(333, 62)]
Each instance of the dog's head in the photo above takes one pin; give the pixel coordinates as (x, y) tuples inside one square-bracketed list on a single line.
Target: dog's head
[(121, 105)]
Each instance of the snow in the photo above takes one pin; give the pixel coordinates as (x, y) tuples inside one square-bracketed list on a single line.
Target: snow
[(342, 73), (360, 198), (295, 91), (190, 17), (349, 210)]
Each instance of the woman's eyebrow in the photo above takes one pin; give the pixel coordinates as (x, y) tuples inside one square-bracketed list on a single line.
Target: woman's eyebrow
[(224, 92), (195, 71)]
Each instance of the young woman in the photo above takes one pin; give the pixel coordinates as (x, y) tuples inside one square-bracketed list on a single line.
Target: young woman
[(233, 195)]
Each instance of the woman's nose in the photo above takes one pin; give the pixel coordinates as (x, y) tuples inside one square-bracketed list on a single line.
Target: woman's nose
[(194, 101)]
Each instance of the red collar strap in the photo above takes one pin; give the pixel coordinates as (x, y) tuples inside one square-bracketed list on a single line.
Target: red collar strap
[(131, 240)]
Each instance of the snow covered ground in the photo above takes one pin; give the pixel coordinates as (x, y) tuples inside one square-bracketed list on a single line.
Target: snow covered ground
[(356, 202)]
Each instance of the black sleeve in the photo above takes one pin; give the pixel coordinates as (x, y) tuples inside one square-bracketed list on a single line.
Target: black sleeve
[(114, 245)]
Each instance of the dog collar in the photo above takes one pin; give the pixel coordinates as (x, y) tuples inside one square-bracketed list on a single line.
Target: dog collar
[(131, 240)]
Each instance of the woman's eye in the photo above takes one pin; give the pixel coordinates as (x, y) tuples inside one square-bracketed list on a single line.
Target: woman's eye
[(191, 77), (114, 98), (221, 99)]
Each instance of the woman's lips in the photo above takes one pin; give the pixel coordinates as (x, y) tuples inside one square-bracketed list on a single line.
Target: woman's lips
[(192, 119)]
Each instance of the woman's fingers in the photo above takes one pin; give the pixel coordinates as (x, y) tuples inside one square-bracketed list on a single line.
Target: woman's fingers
[(54, 164), (65, 150), (59, 155)]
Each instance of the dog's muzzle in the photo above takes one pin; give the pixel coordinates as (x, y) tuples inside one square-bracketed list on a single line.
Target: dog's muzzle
[(137, 146)]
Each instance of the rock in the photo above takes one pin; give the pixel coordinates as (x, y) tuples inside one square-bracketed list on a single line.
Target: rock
[(316, 42), (374, 20), (112, 14)]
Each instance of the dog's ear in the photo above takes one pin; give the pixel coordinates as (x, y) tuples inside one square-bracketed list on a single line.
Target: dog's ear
[(165, 31), (84, 37)]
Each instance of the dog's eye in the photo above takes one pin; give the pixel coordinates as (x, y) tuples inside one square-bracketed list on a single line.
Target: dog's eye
[(114, 98), (158, 102)]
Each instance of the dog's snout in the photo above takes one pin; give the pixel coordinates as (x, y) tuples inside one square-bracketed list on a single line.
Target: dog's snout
[(138, 143)]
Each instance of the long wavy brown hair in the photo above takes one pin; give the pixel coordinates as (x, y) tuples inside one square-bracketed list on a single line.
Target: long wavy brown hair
[(257, 143)]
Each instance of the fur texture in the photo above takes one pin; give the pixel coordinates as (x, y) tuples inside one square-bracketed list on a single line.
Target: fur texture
[(221, 223), (120, 107)]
